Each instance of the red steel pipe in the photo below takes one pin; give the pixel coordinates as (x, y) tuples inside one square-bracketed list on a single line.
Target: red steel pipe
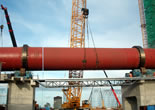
[(75, 58)]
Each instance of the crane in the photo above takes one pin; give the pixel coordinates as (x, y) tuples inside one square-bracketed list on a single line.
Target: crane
[(77, 40), (113, 90), (9, 26), (143, 23)]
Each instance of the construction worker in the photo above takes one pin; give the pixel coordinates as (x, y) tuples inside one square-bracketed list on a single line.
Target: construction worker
[(36, 106), (154, 74), (130, 75), (47, 108)]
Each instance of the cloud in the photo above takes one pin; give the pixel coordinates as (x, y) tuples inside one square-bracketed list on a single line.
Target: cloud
[(125, 37), (113, 15)]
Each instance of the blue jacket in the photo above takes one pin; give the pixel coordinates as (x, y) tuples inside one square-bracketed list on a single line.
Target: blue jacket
[(47, 108)]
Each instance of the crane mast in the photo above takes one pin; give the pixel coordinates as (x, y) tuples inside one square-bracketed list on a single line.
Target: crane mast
[(77, 40), (143, 23)]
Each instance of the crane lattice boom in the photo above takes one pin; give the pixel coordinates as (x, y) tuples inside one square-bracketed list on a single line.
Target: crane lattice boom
[(77, 40)]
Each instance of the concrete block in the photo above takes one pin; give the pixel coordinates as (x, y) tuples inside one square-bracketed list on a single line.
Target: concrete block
[(21, 95), (20, 107), (138, 94)]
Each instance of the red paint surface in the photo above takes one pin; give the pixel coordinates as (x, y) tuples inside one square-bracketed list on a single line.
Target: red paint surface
[(10, 58), (150, 58), (72, 59)]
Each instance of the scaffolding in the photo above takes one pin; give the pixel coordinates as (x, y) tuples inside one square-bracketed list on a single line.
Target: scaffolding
[(149, 11)]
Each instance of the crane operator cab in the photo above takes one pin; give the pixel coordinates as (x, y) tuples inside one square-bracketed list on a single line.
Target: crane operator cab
[(85, 12)]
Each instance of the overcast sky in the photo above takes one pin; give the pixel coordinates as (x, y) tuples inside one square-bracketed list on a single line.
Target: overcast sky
[(114, 23)]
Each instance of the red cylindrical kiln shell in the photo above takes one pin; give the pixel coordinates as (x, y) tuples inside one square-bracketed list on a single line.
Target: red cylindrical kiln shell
[(76, 58)]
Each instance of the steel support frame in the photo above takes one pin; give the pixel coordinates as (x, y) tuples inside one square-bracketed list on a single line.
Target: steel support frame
[(89, 82)]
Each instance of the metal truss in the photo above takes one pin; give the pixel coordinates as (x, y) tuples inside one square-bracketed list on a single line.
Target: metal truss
[(91, 82)]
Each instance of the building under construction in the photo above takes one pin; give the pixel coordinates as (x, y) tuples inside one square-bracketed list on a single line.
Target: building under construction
[(135, 90)]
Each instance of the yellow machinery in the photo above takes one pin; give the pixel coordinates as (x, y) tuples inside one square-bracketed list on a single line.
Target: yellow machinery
[(77, 40), (85, 104)]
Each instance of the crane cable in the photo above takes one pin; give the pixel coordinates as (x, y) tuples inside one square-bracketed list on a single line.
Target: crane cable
[(90, 97), (1, 28), (97, 63), (91, 35), (84, 60), (97, 59), (102, 98), (42, 74), (87, 34)]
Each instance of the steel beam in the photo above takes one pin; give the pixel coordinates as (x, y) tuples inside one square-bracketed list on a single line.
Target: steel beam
[(90, 82)]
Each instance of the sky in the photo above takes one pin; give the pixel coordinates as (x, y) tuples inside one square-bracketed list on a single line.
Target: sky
[(46, 23), (40, 23)]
